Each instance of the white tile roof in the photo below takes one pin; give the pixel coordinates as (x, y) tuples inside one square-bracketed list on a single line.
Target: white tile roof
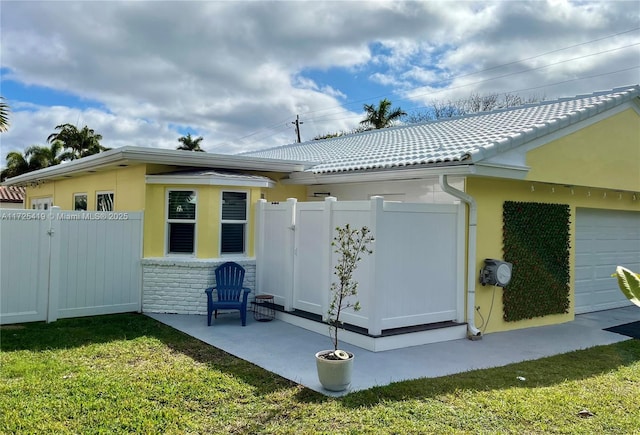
[(466, 139)]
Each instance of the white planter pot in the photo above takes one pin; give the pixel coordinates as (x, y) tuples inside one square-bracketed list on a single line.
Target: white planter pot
[(334, 375)]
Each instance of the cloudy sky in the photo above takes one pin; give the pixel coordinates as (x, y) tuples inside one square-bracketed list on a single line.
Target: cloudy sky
[(237, 73)]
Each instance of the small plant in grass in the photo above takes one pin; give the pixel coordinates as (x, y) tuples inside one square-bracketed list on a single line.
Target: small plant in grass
[(350, 244), (629, 283)]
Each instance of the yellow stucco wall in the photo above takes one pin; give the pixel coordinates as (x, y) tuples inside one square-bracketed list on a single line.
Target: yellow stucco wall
[(126, 183), (131, 193), (155, 226), (154, 221), (281, 192), (490, 195), (594, 167), (208, 211), (605, 154)]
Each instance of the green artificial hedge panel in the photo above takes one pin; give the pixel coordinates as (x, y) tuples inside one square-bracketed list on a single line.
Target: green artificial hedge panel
[(536, 242)]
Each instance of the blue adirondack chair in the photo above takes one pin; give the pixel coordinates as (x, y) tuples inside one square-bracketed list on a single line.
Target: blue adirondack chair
[(231, 295)]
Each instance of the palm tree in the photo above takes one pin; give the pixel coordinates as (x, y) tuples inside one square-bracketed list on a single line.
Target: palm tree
[(17, 164), (189, 143), (381, 116), (4, 115), (77, 143), (35, 157), (43, 156)]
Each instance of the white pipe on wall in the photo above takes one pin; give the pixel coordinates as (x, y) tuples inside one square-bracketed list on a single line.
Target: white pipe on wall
[(473, 333)]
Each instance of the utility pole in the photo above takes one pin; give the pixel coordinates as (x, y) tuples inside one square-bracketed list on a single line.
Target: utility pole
[(297, 124)]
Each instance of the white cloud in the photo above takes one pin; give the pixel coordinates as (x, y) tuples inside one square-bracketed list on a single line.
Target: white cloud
[(235, 72)]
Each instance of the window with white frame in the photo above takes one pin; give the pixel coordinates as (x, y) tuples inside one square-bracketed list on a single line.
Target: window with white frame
[(104, 201), (80, 201), (233, 223), (181, 221)]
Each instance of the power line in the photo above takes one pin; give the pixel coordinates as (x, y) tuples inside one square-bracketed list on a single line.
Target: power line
[(432, 92), (580, 78), (548, 85), (342, 107), (485, 70), (533, 69)]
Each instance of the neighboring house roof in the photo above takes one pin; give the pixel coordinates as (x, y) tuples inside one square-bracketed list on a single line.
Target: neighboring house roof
[(13, 194), (448, 142), (126, 156)]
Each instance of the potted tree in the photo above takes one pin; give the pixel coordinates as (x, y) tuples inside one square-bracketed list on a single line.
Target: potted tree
[(335, 366)]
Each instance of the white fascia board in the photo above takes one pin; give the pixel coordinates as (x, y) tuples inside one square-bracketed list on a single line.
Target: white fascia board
[(93, 162), (210, 180), (206, 160), (488, 169), (308, 178), (128, 155)]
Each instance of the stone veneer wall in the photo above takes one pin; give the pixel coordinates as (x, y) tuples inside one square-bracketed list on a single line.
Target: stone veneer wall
[(177, 286)]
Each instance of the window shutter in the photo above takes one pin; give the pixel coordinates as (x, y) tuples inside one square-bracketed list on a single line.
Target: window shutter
[(181, 238), (234, 206), (232, 238)]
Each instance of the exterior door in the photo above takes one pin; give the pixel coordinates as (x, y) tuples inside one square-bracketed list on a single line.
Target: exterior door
[(308, 281)]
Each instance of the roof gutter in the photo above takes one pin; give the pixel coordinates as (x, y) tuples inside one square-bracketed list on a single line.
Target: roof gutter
[(396, 174), (473, 333)]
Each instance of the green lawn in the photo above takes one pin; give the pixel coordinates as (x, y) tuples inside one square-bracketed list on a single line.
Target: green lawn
[(129, 373)]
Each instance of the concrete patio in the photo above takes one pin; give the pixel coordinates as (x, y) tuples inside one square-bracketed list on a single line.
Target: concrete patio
[(288, 350)]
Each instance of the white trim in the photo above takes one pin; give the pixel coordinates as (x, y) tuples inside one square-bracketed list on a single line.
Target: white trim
[(168, 221), (504, 170), (130, 155), (400, 174), (245, 222), (397, 174), (188, 262), (211, 180), (379, 344)]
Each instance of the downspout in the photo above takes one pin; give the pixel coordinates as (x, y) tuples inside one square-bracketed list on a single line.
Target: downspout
[(473, 333)]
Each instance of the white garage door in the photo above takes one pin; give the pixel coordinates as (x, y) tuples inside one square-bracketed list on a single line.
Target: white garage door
[(604, 240)]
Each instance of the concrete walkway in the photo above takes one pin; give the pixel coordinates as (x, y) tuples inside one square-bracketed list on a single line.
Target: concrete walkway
[(289, 351)]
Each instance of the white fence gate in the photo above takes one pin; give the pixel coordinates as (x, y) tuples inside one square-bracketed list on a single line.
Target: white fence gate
[(56, 264), (414, 276)]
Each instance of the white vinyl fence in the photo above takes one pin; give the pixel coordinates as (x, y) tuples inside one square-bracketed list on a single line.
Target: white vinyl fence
[(57, 264), (414, 276)]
